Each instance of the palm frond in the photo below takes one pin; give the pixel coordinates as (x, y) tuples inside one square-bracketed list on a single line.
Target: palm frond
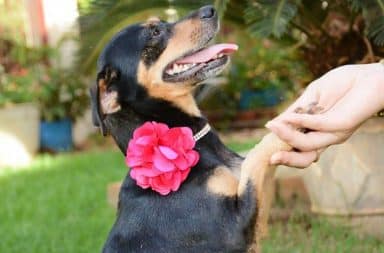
[(357, 5), (376, 31), (270, 17), (221, 7)]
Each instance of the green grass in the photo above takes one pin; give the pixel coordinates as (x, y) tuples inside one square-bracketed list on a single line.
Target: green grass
[(59, 205), (313, 234), (239, 146)]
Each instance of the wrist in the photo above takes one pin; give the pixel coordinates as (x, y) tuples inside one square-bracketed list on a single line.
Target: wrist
[(380, 82), (381, 90)]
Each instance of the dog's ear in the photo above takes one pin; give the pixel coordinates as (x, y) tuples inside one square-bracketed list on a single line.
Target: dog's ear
[(104, 99)]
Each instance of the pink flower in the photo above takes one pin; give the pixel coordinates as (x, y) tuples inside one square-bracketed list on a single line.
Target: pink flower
[(161, 158)]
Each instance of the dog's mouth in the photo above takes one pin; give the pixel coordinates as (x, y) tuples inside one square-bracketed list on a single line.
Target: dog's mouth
[(199, 65)]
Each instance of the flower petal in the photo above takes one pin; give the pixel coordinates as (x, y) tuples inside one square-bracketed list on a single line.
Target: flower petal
[(181, 163), (162, 163), (184, 174), (146, 129), (145, 140), (160, 129), (192, 157), (158, 186), (176, 181), (168, 152)]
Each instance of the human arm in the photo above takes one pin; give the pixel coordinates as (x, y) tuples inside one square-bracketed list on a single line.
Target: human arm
[(348, 96)]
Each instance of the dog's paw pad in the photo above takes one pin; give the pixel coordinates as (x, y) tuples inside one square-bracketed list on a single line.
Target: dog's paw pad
[(311, 108)]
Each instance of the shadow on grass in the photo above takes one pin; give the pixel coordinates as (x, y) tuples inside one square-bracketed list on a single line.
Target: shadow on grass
[(59, 203)]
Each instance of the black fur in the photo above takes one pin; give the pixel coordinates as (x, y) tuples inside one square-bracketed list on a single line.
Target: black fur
[(191, 219)]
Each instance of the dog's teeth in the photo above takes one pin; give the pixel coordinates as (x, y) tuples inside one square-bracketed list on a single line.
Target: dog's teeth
[(220, 55), (185, 67), (177, 68)]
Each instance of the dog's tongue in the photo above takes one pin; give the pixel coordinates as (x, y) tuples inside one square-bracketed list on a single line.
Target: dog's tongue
[(209, 53)]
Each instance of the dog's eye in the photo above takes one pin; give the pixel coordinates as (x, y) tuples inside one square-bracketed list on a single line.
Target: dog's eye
[(155, 32)]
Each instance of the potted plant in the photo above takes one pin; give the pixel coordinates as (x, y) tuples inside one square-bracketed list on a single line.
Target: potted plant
[(62, 98), (19, 118), (19, 113)]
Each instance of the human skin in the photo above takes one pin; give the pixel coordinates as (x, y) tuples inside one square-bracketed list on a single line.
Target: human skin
[(347, 95)]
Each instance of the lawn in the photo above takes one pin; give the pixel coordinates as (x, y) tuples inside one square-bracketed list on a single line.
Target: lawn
[(59, 205)]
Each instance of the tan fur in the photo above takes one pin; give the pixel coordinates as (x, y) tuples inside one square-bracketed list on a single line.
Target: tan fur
[(108, 100), (180, 94), (223, 182), (151, 21), (257, 170)]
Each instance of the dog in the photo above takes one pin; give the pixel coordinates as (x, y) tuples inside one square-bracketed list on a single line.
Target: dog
[(148, 73)]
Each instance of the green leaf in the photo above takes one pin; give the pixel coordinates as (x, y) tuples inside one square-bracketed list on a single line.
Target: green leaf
[(221, 7), (356, 5), (270, 17), (380, 3), (376, 31)]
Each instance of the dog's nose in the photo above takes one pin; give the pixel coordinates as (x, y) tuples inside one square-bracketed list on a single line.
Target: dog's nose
[(207, 12)]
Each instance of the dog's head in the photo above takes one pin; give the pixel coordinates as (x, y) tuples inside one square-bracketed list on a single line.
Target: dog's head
[(149, 70)]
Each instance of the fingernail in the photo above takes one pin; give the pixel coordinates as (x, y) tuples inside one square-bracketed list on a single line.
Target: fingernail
[(275, 159), (269, 124)]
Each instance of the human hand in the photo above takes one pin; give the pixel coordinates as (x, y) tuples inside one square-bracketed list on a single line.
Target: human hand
[(347, 96)]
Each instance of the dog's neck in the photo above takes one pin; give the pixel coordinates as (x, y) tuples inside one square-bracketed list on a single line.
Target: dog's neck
[(122, 124)]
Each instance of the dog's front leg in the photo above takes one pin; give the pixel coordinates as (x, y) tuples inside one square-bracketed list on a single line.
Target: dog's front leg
[(257, 172)]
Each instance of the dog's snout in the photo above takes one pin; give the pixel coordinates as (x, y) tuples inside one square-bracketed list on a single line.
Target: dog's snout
[(207, 12)]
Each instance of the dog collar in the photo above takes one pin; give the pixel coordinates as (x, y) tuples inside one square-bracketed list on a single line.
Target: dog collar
[(203, 132)]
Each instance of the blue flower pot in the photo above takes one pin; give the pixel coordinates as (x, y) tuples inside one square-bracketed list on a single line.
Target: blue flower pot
[(56, 136), (260, 98)]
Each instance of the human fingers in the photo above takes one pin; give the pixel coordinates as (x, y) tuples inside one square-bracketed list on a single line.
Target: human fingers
[(294, 159), (303, 141), (326, 122), (349, 111)]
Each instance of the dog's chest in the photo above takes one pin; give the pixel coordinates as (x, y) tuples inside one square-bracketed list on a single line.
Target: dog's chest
[(189, 220)]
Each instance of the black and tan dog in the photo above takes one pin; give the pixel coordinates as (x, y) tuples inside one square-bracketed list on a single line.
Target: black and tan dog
[(148, 72)]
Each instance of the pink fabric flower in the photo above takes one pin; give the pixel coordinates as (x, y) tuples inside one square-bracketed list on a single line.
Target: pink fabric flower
[(161, 157)]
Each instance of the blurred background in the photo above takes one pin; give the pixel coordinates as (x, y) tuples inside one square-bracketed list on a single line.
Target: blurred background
[(59, 179)]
